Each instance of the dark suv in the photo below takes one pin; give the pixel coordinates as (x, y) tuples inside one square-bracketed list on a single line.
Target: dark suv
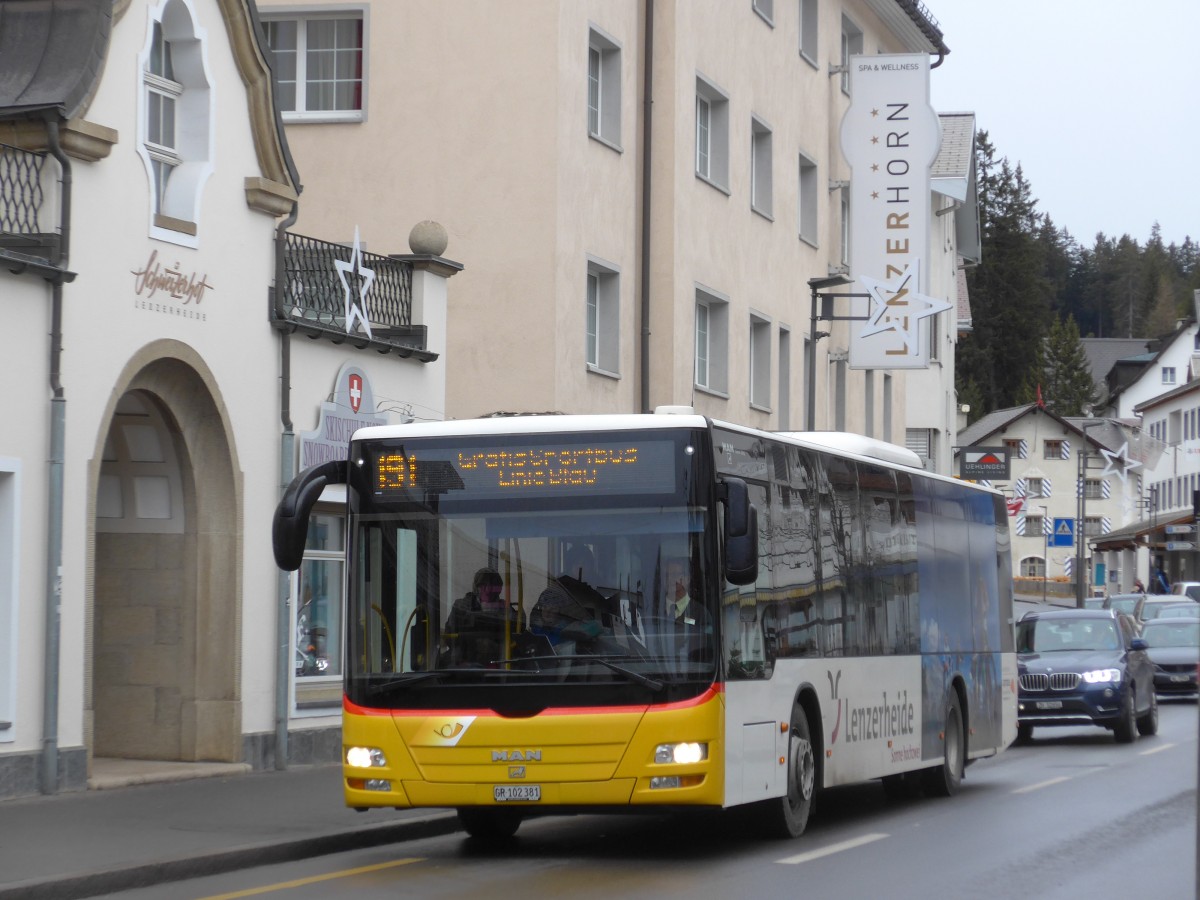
[(1081, 667)]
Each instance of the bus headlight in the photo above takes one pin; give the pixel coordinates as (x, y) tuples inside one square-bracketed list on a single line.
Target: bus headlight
[(684, 752), (365, 757)]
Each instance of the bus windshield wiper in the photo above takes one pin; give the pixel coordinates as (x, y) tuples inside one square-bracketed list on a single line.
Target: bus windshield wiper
[(644, 680), (401, 678)]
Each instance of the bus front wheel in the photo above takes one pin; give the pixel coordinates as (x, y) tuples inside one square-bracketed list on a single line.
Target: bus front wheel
[(946, 779), (489, 824), (791, 812)]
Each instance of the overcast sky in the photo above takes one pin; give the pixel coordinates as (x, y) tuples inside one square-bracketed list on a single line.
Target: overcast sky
[(1098, 100)]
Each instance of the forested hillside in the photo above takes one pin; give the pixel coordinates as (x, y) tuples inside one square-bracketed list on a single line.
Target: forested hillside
[(1039, 289)]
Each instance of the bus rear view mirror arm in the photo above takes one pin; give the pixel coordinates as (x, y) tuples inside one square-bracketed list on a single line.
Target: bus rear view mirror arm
[(290, 529)]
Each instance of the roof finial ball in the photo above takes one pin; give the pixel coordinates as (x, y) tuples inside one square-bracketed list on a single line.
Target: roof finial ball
[(428, 238)]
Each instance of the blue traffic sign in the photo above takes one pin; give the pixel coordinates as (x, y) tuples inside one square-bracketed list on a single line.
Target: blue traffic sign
[(1063, 534)]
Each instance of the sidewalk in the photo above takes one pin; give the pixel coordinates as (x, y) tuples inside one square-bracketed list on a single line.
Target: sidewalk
[(160, 822)]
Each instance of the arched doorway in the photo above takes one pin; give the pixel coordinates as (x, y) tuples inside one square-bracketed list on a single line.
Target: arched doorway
[(165, 642)]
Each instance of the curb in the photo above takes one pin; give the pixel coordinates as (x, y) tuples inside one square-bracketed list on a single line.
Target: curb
[(108, 881)]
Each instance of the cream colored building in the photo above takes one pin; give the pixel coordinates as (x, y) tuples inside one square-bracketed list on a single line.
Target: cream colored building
[(158, 396), (641, 192)]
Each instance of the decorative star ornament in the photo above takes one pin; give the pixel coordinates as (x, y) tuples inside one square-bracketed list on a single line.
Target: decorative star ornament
[(365, 277), (1121, 457), (898, 306)]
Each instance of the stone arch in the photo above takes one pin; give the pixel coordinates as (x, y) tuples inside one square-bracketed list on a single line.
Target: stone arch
[(165, 600)]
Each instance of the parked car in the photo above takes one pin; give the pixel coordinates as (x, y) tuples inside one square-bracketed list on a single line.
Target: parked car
[(1176, 608), (1156, 604), (1084, 666), (1129, 604), (1173, 645), (1189, 589)]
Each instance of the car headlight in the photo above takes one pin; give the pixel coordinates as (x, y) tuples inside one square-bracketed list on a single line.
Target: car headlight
[(1102, 676)]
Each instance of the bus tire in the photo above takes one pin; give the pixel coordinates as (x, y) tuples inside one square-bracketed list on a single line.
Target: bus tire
[(788, 815), (489, 824), (946, 779)]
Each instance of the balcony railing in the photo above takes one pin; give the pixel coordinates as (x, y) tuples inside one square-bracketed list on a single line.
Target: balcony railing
[(326, 284), (20, 190)]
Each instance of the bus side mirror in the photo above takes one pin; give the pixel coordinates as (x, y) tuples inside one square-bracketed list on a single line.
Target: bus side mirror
[(289, 529), (741, 534)]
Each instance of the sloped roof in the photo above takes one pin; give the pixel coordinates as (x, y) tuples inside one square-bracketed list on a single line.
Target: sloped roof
[(952, 168), (1104, 353), (53, 52), (1107, 435), (991, 423)]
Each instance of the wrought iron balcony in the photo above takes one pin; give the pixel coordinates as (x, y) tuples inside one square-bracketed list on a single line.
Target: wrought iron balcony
[(23, 243), (339, 293)]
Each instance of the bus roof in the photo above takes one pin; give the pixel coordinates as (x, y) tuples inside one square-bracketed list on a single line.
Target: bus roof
[(844, 443)]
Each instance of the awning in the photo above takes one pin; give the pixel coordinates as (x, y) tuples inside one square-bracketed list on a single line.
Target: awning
[(1134, 535)]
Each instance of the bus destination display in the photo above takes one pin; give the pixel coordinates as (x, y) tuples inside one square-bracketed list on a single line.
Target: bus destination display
[(529, 470)]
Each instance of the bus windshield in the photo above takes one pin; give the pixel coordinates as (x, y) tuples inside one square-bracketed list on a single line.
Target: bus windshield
[(557, 561)]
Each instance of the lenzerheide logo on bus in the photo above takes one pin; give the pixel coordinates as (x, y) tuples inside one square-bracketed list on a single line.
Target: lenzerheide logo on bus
[(892, 717)]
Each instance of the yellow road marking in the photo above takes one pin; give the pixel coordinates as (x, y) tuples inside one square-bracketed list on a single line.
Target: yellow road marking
[(315, 879)]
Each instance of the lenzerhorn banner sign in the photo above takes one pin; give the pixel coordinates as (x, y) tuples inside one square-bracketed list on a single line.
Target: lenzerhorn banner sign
[(890, 137)]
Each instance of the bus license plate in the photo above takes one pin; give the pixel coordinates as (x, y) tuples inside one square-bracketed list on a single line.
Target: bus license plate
[(1049, 704), (529, 793)]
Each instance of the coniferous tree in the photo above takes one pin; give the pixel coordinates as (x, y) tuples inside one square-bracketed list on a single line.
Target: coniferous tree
[(1010, 294), (1069, 389)]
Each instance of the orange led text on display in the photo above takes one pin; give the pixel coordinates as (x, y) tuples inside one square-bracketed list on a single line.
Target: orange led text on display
[(549, 467)]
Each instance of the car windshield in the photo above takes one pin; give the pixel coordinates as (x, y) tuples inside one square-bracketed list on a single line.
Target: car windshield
[(1124, 604), (1165, 633), (1043, 635), (1188, 610)]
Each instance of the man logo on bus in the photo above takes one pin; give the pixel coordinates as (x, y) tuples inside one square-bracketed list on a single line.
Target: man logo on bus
[(833, 695), (355, 391)]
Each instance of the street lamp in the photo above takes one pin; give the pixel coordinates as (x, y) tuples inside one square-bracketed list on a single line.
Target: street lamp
[(816, 287)]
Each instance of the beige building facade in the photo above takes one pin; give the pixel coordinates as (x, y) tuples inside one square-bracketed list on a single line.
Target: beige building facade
[(641, 192)]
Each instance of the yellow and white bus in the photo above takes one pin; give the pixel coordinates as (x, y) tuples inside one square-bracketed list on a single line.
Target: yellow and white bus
[(564, 613)]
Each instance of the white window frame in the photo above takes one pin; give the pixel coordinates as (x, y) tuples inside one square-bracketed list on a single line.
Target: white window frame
[(1034, 487), (784, 379), (177, 171), (319, 694), (602, 346), (604, 88), (809, 32), (761, 168), (711, 369), (712, 134), (845, 226), (852, 44), (1168, 374), (808, 191), (760, 362), (301, 82), (10, 555)]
